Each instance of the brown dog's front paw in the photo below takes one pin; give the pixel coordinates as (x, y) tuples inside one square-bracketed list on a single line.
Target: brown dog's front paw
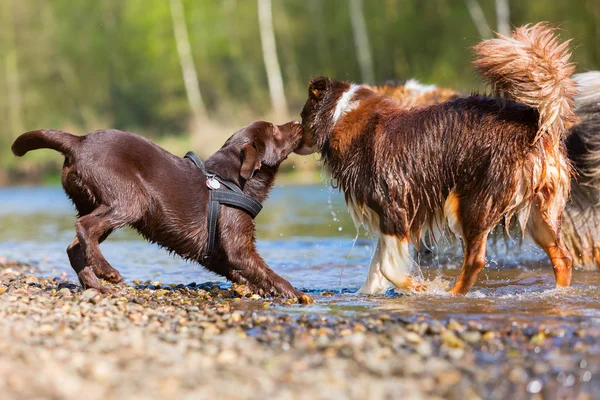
[(302, 298)]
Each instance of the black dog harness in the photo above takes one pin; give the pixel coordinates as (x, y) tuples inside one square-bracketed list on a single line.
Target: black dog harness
[(217, 195)]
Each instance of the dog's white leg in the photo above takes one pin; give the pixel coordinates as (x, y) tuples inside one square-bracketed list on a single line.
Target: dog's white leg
[(396, 260), (376, 282)]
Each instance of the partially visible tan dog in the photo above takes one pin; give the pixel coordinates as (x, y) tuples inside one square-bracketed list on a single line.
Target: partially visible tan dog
[(413, 93)]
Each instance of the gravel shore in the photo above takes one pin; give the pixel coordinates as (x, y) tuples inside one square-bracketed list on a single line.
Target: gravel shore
[(151, 340)]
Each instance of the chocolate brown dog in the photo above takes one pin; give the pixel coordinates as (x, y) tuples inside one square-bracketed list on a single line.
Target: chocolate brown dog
[(116, 178)]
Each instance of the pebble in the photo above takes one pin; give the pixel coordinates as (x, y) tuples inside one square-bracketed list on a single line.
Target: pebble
[(157, 340), (88, 294), (471, 336), (450, 339)]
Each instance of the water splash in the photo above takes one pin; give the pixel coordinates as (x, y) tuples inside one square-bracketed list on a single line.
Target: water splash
[(348, 256)]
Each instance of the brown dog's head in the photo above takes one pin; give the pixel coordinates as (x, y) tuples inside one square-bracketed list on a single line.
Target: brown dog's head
[(319, 112), (254, 153)]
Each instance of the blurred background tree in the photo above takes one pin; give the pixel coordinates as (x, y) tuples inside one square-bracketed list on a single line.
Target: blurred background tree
[(188, 73)]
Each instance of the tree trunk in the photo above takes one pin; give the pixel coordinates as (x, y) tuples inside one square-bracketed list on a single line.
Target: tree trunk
[(318, 32), (478, 18), (184, 50), (361, 41), (11, 69), (267, 38), (503, 17)]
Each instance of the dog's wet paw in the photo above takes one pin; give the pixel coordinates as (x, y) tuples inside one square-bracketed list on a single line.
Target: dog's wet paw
[(419, 287)]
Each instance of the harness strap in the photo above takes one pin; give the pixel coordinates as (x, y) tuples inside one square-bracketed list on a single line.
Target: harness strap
[(241, 201), (235, 197), (214, 209), (196, 160)]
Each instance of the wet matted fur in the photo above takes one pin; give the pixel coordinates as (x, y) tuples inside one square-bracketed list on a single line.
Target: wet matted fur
[(581, 219), (116, 178), (462, 165)]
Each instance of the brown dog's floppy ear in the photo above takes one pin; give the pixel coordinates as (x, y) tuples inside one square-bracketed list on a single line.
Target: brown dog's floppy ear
[(250, 161), (317, 87)]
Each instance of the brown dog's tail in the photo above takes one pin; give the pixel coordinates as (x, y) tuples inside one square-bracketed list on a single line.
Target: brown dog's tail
[(532, 67), (46, 139)]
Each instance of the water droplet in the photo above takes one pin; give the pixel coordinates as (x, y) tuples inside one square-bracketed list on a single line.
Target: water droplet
[(569, 381), (587, 376), (340, 229), (281, 234), (583, 364), (293, 167), (534, 386)]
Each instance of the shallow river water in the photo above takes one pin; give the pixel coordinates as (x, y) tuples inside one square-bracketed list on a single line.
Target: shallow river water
[(305, 234)]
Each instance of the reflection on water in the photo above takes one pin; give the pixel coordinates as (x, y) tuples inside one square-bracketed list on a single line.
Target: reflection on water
[(305, 234), (296, 235)]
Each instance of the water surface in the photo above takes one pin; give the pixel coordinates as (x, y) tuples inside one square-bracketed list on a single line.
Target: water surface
[(305, 234)]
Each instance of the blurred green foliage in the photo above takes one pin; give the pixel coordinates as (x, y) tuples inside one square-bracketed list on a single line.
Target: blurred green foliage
[(89, 64)]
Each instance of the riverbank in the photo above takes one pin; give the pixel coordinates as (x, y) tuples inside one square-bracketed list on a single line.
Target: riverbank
[(204, 341)]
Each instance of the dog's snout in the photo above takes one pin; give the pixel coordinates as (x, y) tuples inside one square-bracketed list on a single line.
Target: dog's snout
[(292, 128)]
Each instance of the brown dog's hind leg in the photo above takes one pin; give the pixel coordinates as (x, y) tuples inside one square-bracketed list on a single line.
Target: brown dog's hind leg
[(91, 230), (86, 276), (474, 249), (546, 235), (105, 270)]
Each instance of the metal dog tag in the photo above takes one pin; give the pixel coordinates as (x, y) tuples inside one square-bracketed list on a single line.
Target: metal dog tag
[(212, 183)]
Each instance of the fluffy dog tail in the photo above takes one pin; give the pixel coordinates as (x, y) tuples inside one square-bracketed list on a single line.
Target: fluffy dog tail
[(532, 67), (46, 139)]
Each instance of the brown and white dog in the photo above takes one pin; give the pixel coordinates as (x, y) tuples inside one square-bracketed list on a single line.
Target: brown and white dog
[(580, 230), (462, 165)]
